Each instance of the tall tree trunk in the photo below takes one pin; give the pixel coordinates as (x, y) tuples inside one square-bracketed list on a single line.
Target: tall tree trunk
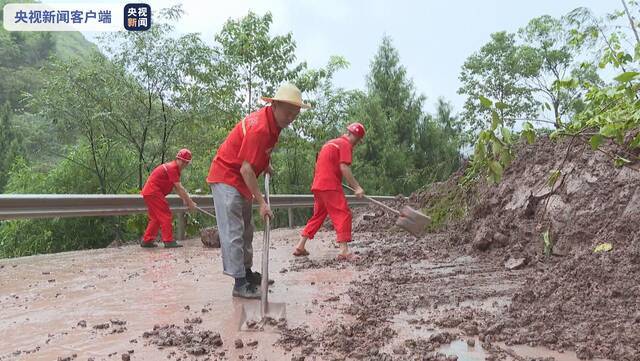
[(633, 26), (164, 132)]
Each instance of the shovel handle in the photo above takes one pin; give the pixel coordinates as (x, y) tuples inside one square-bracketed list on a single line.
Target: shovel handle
[(205, 212), (396, 212), (264, 285)]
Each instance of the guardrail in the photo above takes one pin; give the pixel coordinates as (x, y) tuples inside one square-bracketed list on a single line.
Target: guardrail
[(25, 206)]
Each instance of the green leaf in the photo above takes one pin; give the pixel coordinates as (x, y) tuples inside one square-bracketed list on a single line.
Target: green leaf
[(595, 141), (480, 150), (496, 169), (506, 134), (610, 130), (530, 136), (495, 120), (501, 105), (496, 148), (627, 76), (635, 143), (505, 157), (620, 161), (553, 177), (485, 102)]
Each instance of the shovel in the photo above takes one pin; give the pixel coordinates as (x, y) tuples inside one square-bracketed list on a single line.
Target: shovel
[(205, 212), (408, 218), (256, 315)]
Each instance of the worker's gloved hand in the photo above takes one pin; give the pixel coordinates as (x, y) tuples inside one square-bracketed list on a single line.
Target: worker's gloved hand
[(359, 192), (265, 211)]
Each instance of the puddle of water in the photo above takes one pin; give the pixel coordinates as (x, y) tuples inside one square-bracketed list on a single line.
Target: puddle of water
[(528, 351), (403, 325), (463, 351)]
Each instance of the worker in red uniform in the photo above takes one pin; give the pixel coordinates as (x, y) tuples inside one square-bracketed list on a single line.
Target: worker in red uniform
[(163, 179), (241, 158), (333, 163)]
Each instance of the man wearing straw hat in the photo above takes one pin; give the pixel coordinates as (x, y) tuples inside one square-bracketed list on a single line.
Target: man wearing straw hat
[(241, 158)]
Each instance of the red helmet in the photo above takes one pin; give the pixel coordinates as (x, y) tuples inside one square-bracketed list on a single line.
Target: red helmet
[(357, 129), (184, 154)]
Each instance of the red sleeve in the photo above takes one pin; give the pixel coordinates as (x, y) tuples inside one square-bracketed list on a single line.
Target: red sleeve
[(345, 153), (253, 148)]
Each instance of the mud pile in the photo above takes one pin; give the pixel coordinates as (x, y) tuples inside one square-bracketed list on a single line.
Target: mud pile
[(588, 302), (566, 297), (580, 299)]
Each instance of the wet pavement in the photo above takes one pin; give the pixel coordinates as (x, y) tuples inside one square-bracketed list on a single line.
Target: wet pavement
[(130, 303), (98, 303)]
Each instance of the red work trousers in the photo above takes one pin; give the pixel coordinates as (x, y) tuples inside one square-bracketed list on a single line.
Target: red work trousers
[(160, 218), (333, 203)]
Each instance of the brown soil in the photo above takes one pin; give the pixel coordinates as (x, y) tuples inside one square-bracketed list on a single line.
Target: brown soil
[(570, 299)]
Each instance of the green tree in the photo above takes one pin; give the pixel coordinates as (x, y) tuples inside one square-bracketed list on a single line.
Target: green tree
[(445, 118), (399, 154), (497, 72), (549, 43), (10, 144), (388, 81), (80, 100), (253, 63), (152, 71)]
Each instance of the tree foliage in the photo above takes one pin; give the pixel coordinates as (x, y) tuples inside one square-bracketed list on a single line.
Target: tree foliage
[(497, 72), (100, 124)]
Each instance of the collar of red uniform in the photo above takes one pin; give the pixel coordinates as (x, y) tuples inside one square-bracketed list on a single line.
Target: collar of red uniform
[(271, 121)]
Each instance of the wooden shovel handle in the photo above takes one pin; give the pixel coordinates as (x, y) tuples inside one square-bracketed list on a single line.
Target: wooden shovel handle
[(396, 212), (205, 212)]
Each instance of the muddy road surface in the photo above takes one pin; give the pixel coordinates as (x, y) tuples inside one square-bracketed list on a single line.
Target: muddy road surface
[(403, 299)]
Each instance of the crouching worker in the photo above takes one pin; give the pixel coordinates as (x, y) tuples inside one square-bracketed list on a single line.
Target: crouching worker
[(163, 179), (333, 163)]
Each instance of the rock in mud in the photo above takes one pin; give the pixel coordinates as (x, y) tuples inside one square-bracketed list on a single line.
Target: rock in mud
[(513, 264), (483, 238), (238, 343)]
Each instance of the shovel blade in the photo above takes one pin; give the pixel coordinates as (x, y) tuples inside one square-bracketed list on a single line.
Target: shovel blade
[(412, 221), (252, 319)]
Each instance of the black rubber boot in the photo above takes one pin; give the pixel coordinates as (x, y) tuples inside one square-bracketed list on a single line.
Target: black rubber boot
[(247, 290)]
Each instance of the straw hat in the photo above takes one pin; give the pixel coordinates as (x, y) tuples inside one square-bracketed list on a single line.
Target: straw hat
[(290, 94)]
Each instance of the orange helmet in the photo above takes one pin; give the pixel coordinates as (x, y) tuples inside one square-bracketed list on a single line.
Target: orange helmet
[(184, 154), (357, 129)]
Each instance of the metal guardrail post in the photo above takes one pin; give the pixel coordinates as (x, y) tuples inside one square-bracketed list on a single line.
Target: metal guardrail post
[(290, 212), (182, 223)]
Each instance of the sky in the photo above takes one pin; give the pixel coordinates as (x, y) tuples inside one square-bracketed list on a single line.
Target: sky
[(433, 38)]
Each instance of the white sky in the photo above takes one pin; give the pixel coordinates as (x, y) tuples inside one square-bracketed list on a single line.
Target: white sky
[(433, 37)]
